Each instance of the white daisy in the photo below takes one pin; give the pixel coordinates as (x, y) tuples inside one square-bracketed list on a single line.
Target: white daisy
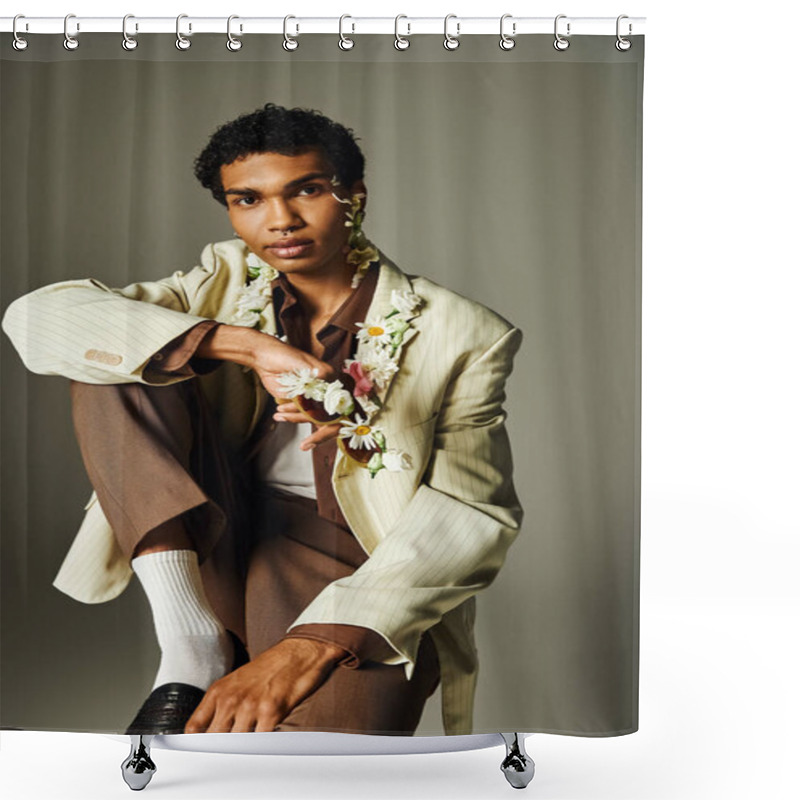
[(374, 331), (405, 302), (253, 298), (360, 434), (258, 268), (303, 381), (397, 325), (246, 319), (369, 407)]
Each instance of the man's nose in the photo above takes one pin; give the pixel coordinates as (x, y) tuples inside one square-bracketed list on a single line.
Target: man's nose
[(282, 215)]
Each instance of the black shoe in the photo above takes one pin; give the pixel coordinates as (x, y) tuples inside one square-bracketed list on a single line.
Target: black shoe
[(167, 709), (169, 706)]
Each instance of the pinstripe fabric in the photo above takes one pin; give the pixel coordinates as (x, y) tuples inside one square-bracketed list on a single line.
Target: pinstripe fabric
[(436, 534)]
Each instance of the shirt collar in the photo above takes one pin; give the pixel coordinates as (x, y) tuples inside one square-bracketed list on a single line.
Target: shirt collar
[(352, 310)]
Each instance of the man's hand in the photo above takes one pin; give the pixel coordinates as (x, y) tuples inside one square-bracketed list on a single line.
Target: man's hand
[(269, 358), (272, 357), (265, 354), (288, 412), (260, 694)]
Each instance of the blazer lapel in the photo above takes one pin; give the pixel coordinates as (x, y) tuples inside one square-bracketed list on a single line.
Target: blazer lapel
[(391, 279), (269, 325)]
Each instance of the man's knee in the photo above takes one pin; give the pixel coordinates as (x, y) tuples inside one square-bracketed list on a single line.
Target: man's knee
[(94, 403), (87, 392)]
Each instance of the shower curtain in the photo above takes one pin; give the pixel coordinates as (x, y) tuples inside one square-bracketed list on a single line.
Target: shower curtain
[(510, 179)]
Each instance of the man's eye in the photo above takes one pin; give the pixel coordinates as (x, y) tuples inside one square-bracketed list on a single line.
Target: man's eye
[(310, 190), (247, 200)]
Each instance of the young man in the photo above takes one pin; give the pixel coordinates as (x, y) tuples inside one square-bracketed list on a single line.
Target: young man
[(295, 446)]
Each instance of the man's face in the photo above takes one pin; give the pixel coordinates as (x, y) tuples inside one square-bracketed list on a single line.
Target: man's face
[(284, 209)]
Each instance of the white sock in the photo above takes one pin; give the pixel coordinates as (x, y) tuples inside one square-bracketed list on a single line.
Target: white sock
[(195, 648)]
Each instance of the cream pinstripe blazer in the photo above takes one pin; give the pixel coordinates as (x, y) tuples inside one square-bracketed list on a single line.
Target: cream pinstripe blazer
[(436, 534)]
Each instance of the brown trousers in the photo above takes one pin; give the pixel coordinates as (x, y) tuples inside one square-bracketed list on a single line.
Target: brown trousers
[(153, 454)]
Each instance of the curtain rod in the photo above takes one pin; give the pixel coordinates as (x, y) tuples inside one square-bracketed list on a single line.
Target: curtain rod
[(348, 25)]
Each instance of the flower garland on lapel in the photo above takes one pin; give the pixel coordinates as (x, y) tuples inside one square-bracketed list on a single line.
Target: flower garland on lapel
[(379, 340), (256, 294), (362, 251)]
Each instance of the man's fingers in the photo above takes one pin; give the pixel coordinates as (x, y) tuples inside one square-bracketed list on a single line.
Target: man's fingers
[(290, 416), (229, 708), (245, 721), (265, 725), (321, 434), (288, 412), (222, 722), (202, 716)]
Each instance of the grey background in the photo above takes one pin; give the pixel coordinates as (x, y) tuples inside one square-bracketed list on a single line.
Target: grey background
[(513, 178)]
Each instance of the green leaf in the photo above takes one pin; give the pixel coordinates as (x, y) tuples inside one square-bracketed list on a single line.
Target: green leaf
[(375, 464)]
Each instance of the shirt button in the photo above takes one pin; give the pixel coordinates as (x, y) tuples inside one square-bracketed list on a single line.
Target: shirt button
[(327, 461)]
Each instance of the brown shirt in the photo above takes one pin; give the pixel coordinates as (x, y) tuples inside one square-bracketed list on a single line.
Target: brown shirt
[(338, 338)]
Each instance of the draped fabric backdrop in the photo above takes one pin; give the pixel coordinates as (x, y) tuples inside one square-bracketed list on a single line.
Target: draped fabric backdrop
[(513, 178)]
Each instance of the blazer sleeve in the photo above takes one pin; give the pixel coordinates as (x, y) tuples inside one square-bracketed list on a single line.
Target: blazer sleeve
[(88, 332), (451, 539)]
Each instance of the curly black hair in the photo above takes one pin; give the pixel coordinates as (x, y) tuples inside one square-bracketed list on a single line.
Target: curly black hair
[(276, 129)]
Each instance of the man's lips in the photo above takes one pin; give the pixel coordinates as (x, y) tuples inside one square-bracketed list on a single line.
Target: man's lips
[(289, 248)]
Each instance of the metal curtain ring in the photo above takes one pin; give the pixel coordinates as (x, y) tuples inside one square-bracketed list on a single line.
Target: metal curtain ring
[(233, 44), (70, 42), (560, 42), (344, 42), (289, 42), (451, 42), (623, 44), (19, 43), (129, 42), (400, 42), (182, 43), (507, 42)]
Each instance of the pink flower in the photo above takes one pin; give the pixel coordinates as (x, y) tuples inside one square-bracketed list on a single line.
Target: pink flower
[(363, 383)]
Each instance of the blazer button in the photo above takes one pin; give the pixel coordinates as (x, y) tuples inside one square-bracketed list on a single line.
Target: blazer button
[(158, 357)]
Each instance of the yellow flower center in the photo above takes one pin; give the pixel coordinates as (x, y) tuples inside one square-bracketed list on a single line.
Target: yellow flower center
[(375, 331), (362, 430)]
